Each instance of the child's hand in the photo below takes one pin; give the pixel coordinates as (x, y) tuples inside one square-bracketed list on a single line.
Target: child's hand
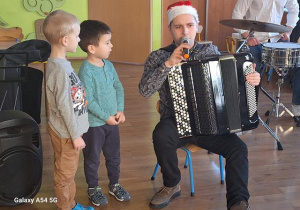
[(112, 121), (120, 117), (78, 143)]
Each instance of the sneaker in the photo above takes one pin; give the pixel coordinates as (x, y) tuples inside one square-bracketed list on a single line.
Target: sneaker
[(243, 205), (96, 196), (119, 192), (80, 207), (163, 197)]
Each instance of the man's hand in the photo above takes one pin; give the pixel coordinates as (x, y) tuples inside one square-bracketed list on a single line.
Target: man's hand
[(253, 78), (176, 56), (285, 37), (252, 41)]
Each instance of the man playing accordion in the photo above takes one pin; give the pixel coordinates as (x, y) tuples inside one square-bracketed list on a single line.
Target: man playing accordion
[(183, 22)]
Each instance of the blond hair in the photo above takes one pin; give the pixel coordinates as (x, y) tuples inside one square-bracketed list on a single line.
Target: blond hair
[(59, 24)]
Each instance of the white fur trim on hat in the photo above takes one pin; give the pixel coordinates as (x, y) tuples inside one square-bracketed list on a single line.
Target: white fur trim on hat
[(180, 10)]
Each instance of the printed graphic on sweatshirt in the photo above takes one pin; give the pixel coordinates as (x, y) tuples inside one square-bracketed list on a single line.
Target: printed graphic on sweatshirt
[(78, 95)]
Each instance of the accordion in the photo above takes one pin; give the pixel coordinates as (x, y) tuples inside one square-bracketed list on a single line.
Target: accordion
[(212, 97)]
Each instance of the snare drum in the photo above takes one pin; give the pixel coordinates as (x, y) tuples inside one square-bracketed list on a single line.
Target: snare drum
[(281, 54)]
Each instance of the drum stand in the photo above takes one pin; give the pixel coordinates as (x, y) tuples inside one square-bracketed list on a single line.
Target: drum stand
[(265, 125), (279, 145), (282, 72)]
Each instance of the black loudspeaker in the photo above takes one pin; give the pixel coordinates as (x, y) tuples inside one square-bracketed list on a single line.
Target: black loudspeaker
[(21, 162)]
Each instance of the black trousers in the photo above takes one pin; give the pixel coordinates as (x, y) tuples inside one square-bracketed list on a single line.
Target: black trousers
[(104, 138), (231, 147)]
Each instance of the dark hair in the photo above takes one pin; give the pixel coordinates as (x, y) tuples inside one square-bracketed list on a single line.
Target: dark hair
[(90, 33)]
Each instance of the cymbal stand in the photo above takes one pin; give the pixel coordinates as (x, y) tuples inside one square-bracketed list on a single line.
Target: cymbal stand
[(251, 34), (265, 125), (282, 72)]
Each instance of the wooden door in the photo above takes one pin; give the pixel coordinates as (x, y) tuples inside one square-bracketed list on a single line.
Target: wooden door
[(130, 21), (219, 10)]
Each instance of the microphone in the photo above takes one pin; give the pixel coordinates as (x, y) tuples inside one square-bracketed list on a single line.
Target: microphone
[(186, 52)]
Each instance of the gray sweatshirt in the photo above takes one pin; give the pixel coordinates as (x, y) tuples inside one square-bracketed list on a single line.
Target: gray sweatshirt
[(68, 116)]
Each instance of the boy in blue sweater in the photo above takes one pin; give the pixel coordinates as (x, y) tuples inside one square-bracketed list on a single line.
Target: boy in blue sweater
[(105, 94)]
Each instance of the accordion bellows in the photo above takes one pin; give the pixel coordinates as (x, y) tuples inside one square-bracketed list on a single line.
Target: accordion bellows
[(212, 97)]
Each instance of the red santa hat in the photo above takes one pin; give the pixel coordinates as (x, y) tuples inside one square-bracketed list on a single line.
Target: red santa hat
[(180, 8)]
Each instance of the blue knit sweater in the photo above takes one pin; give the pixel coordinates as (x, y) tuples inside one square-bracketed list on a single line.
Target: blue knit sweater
[(104, 90)]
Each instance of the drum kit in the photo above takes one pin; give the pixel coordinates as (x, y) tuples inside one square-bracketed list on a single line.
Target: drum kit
[(280, 56)]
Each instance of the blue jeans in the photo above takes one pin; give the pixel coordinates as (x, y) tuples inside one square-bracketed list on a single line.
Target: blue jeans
[(230, 146)]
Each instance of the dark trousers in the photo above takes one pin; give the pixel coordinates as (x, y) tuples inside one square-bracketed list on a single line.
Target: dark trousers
[(296, 86), (231, 147), (107, 139), (295, 33)]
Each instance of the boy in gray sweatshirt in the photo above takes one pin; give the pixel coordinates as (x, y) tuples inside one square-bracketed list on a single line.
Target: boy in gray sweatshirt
[(68, 117)]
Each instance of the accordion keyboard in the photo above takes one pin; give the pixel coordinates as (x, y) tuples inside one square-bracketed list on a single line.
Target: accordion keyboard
[(176, 84), (250, 90)]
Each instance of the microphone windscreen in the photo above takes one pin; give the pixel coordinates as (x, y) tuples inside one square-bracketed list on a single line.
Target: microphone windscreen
[(185, 40)]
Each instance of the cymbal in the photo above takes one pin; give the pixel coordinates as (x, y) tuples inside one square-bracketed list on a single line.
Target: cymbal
[(252, 25)]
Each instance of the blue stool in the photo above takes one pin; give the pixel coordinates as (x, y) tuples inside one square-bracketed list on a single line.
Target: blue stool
[(188, 162)]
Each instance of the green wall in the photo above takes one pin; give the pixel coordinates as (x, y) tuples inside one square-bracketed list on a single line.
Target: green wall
[(14, 13), (156, 24)]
